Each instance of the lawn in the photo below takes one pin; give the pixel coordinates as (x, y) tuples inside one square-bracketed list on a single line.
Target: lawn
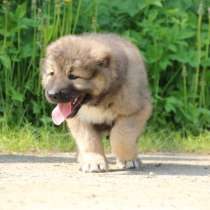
[(53, 139), (173, 37)]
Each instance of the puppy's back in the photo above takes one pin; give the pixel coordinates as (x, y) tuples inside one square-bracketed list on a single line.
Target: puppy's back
[(135, 91)]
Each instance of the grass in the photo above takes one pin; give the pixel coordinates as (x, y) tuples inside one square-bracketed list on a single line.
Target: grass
[(173, 141), (41, 140), (31, 139), (174, 37)]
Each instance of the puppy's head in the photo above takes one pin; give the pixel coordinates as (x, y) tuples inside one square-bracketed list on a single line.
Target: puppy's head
[(75, 71)]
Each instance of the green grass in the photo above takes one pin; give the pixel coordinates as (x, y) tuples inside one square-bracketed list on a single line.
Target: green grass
[(41, 140), (173, 36), (173, 141), (31, 139)]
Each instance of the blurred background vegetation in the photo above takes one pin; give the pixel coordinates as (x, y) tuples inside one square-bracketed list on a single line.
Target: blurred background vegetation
[(173, 36)]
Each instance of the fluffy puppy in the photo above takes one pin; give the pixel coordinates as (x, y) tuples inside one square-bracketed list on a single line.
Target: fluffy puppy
[(98, 82)]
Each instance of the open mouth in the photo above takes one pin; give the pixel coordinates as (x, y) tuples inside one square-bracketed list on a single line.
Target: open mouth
[(65, 110)]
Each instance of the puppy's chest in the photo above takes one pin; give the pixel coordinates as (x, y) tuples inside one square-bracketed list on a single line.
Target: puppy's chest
[(96, 115)]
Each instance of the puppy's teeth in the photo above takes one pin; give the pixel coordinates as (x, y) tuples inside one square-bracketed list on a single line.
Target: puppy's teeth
[(75, 101)]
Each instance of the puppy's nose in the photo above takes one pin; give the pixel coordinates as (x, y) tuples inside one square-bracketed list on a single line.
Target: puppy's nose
[(60, 95), (53, 94)]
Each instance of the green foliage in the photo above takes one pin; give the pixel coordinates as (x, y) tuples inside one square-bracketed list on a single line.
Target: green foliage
[(174, 37)]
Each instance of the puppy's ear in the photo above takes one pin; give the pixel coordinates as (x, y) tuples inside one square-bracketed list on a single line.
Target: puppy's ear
[(104, 61), (101, 56)]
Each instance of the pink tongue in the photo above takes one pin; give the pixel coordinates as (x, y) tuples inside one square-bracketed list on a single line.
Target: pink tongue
[(61, 112)]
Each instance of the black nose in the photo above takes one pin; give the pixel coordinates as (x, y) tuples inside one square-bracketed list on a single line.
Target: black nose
[(58, 96)]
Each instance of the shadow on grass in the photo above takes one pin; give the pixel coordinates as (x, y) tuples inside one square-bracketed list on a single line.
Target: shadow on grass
[(152, 164)]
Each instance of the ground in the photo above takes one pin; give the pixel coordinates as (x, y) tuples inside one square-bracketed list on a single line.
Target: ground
[(53, 182)]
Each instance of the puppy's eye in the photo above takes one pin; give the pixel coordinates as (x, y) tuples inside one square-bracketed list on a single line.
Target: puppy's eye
[(72, 77), (50, 73)]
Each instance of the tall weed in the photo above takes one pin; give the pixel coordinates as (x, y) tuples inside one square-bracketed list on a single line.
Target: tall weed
[(174, 37)]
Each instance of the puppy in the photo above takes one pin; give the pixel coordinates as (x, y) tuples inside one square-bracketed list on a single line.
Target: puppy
[(98, 82)]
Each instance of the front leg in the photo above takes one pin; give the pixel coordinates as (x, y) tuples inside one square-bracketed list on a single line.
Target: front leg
[(124, 136), (91, 153)]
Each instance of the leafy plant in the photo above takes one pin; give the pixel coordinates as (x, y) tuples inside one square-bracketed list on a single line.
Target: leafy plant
[(173, 36)]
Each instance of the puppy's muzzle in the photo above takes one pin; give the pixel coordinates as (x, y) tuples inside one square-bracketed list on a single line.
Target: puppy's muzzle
[(61, 96)]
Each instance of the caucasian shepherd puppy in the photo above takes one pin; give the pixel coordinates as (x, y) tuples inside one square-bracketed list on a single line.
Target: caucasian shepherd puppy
[(98, 82)]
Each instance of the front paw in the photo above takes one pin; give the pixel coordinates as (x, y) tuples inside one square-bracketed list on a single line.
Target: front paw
[(93, 162), (129, 164)]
